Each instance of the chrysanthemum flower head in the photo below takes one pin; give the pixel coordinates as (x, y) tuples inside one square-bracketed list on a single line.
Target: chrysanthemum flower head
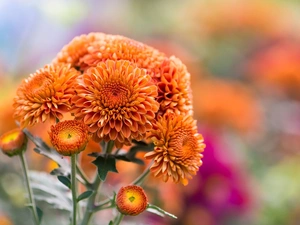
[(174, 91), (178, 148), (131, 200), (88, 50), (69, 137), (13, 142), (45, 95), (77, 48), (117, 101)]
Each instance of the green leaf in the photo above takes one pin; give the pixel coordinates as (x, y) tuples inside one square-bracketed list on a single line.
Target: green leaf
[(58, 172), (48, 189), (111, 222), (40, 214), (158, 211), (43, 149), (66, 181), (105, 164), (84, 195)]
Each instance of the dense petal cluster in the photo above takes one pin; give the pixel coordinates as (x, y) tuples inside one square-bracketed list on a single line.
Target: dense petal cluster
[(116, 89), (117, 101), (174, 92), (178, 148), (13, 142), (76, 49), (169, 74), (88, 50), (69, 137), (131, 200), (45, 95)]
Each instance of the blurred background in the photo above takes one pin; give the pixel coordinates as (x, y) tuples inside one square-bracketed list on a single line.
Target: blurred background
[(244, 59)]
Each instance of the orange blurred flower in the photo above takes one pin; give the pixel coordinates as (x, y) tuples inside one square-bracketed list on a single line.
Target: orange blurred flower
[(88, 50), (5, 220), (174, 92), (13, 142), (131, 200), (242, 17), (117, 101), (45, 95), (69, 137), (277, 66), (7, 93), (178, 148), (226, 104)]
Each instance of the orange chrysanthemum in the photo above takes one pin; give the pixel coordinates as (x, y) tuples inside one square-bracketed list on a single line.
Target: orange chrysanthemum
[(45, 95), (178, 148), (88, 50), (13, 142), (69, 137), (233, 106), (174, 92), (77, 48), (277, 66), (131, 200), (117, 101)]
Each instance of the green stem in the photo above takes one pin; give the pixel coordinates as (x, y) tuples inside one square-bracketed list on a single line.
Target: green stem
[(101, 205), (95, 186), (109, 147), (30, 193), (80, 172), (90, 204), (142, 177), (118, 219), (74, 188)]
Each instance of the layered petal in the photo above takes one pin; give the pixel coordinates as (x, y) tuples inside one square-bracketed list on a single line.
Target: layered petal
[(45, 94), (178, 148), (117, 101)]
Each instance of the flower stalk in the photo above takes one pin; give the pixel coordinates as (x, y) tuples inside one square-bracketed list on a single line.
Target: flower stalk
[(29, 189), (95, 186), (118, 219), (74, 188), (91, 202)]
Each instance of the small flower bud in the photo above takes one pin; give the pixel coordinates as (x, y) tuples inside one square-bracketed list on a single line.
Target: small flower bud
[(69, 137), (131, 200), (13, 142)]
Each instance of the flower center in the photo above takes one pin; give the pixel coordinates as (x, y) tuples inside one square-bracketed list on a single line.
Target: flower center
[(114, 95), (11, 137), (69, 136), (132, 198), (38, 84), (183, 143)]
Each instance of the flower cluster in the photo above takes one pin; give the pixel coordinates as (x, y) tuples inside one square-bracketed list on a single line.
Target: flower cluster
[(120, 90)]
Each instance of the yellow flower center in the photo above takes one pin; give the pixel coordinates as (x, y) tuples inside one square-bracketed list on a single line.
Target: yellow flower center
[(10, 137), (69, 136), (133, 197)]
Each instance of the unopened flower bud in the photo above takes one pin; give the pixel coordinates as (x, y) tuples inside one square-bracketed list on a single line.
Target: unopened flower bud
[(131, 200), (13, 142), (69, 137)]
